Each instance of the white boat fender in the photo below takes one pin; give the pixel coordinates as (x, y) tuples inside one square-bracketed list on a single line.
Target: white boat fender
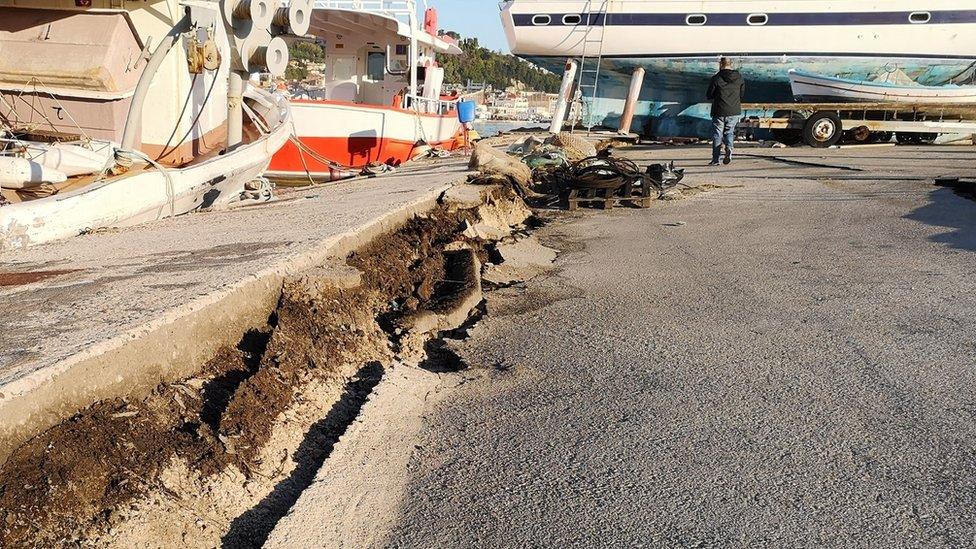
[(71, 159), (20, 173)]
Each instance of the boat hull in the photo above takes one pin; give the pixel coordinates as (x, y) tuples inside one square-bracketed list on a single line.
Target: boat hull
[(679, 42), (146, 196), (351, 135), (815, 88), (672, 101)]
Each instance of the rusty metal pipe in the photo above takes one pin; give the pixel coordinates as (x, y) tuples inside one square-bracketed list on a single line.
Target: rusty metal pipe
[(636, 83)]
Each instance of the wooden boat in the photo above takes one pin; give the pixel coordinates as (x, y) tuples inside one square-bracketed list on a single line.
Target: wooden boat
[(810, 87), (379, 99), (81, 153)]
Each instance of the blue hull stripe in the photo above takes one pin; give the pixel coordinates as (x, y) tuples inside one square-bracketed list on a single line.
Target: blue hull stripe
[(740, 19), (772, 54)]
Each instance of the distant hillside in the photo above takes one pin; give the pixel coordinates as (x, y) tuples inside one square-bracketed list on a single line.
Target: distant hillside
[(300, 54), (480, 64)]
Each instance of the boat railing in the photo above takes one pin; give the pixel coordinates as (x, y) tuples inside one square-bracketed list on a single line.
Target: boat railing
[(425, 105), (401, 10)]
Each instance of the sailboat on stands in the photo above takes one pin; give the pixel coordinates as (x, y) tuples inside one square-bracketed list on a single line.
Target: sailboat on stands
[(679, 42), (118, 113), (380, 100)]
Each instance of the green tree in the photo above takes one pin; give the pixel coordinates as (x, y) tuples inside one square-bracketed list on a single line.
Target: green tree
[(480, 64), (301, 53)]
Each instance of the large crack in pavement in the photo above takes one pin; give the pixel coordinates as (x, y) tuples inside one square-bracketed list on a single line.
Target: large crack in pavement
[(220, 457)]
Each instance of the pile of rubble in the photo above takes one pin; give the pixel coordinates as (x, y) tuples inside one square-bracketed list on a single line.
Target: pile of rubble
[(572, 169)]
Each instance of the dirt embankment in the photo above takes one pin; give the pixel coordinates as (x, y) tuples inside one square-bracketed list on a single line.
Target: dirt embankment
[(220, 457)]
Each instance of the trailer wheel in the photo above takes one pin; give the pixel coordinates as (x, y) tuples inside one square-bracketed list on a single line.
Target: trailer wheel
[(823, 129), (861, 134)]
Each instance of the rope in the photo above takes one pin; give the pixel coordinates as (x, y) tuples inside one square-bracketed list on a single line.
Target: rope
[(170, 192), (35, 81), (196, 119)]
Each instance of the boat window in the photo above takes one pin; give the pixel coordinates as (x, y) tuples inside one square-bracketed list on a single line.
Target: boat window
[(572, 19), (541, 20), (756, 19), (696, 19), (920, 17), (375, 65), (343, 68)]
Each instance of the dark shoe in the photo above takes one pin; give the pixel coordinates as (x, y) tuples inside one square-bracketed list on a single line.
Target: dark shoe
[(728, 160), (713, 163)]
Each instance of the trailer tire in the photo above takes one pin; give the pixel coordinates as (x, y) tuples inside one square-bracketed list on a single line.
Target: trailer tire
[(823, 129)]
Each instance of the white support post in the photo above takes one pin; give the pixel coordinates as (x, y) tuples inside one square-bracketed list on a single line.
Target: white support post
[(565, 98)]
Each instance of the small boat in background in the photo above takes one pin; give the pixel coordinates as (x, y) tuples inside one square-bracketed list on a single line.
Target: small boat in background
[(380, 97), (818, 88)]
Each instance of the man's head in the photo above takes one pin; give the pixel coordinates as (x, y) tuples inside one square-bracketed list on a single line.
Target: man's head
[(725, 63)]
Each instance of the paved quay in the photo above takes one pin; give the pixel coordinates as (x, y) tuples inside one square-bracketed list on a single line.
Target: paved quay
[(73, 309), (784, 364), (785, 361)]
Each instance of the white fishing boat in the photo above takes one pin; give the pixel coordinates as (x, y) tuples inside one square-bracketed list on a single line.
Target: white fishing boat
[(379, 99), (818, 88), (114, 114)]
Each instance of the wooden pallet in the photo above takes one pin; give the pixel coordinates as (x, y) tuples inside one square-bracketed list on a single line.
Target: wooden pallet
[(637, 195)]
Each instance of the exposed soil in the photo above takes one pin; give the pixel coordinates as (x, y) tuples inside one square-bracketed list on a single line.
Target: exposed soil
[(131, 470), (19, 279)]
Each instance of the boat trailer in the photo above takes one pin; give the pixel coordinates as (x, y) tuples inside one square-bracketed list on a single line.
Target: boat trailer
[(824, 125)]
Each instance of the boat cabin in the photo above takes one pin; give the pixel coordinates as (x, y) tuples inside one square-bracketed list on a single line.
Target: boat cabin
[(379, 58)]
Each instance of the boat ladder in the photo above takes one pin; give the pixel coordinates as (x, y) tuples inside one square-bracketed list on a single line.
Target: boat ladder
[(594, 26)]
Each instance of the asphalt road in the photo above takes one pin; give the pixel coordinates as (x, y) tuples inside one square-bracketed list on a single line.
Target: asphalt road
[(789, 363)]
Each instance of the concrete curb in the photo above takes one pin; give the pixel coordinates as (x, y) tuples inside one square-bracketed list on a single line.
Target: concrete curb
[(171, 346)]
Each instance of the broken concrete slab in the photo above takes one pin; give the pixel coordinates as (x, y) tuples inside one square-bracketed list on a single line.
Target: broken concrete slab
[(484, 231), (464, 270), (522, 260), (463, 197)]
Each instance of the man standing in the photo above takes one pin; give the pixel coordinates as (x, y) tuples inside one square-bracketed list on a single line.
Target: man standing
[(725, 92)]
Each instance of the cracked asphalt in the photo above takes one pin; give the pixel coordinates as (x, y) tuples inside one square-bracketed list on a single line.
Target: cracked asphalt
[(780, 363)]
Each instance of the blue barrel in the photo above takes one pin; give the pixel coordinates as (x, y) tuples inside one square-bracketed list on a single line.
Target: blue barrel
[(466, 111)]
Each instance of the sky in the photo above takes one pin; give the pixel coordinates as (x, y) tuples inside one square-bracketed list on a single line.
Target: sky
[(473, 19)]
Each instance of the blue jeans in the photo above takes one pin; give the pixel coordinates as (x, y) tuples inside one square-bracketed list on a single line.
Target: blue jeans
[(723, 132)]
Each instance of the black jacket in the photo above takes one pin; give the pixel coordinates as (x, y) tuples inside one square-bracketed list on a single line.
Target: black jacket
[(725, 91)]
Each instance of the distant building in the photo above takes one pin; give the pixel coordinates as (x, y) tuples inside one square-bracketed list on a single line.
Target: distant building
[(514, 104)]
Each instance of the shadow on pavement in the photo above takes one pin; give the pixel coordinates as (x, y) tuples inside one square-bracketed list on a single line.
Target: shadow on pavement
[(946, 208)]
